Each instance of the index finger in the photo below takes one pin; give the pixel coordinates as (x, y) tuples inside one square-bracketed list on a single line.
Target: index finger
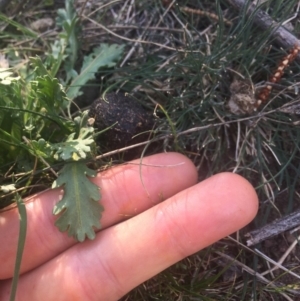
[(123, 196)]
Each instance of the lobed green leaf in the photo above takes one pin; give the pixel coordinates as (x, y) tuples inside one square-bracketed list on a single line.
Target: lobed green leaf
[(103, 56), (79, 208)]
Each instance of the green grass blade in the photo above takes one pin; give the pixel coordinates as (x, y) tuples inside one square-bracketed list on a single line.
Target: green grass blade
[(21, 243), (18, 26)]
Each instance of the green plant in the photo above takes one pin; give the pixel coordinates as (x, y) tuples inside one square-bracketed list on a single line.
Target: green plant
[(36, 132)]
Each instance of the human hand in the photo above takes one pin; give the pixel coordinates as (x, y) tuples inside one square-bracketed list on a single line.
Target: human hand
[(141, 235)]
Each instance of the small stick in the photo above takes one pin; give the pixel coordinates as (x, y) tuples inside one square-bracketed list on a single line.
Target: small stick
[(276, 227), (281, 35)]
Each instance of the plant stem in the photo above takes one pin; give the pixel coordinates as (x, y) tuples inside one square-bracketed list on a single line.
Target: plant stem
[(21, 244)]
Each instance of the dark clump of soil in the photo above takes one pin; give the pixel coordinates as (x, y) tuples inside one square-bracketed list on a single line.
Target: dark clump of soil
[(130, 122)]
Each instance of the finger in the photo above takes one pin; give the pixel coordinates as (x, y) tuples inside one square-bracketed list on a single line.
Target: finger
[(131, 252), (123, 196)]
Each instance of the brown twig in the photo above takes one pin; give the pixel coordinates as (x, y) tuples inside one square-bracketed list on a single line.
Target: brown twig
[(281, 35), (276, 227)]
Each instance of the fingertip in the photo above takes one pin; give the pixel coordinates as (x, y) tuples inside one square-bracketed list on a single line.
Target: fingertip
[(251, 196), (243, 195), (214, 208), (234, 200)]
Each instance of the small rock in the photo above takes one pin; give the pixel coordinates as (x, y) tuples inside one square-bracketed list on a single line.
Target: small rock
[(42, 25), (242, 99), (126, 117)]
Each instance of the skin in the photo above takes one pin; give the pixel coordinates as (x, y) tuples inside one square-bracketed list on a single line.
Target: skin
[(145, 230)]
